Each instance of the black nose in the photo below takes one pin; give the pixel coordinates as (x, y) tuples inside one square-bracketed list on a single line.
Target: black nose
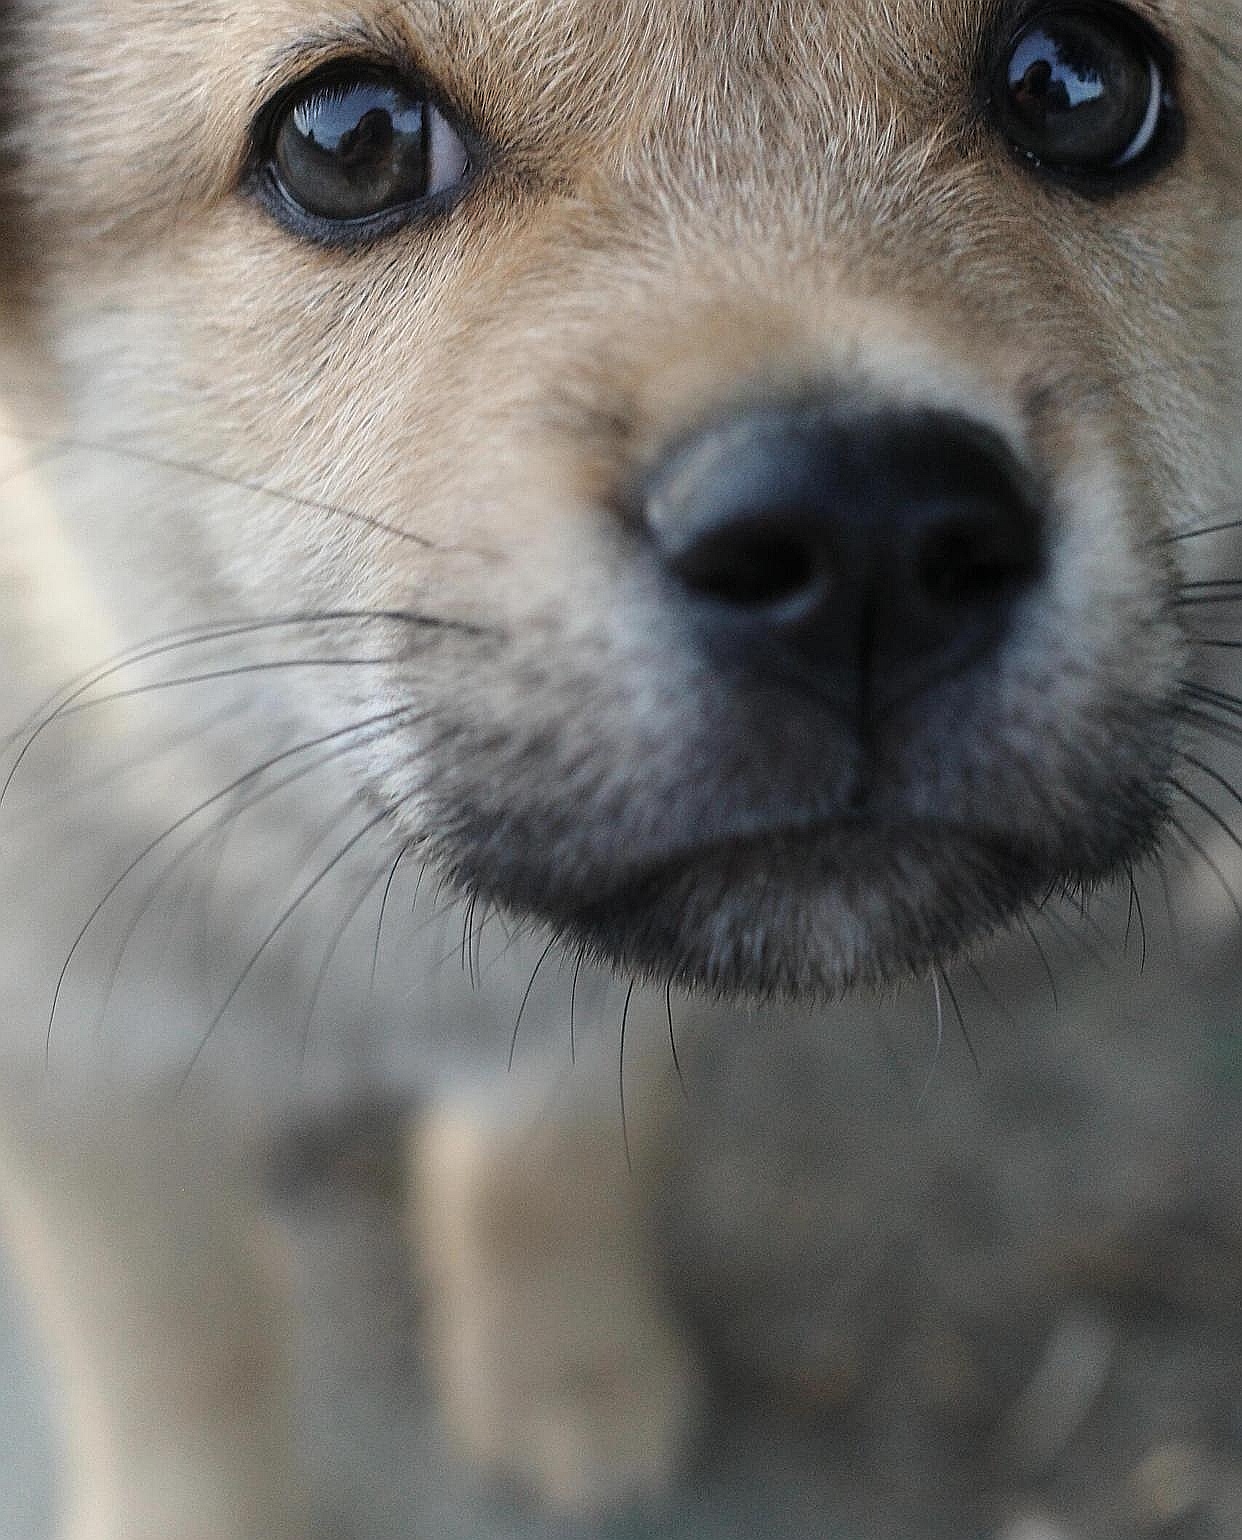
[(884, 549)]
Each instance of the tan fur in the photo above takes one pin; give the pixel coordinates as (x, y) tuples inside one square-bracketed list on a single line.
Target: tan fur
[(692, 205)]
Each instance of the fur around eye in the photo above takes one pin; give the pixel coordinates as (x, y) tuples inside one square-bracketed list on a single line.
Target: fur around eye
[(1085, 91), (353, 152)]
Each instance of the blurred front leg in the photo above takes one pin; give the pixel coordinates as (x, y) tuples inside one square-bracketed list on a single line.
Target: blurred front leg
[(163, 1310)]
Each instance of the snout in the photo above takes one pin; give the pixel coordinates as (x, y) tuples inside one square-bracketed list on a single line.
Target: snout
[(879, 550), (824, 690)]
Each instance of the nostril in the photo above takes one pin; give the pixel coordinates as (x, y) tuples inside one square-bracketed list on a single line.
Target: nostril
[(751, 565), (979, 557), (885, 549)]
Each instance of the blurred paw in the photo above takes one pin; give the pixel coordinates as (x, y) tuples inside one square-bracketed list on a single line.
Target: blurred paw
[(558, 1362)]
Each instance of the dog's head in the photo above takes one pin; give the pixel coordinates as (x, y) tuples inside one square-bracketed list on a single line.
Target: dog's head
[(750, 440)]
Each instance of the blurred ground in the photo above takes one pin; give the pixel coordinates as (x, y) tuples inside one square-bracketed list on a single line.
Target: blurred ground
[(1009, 1305)]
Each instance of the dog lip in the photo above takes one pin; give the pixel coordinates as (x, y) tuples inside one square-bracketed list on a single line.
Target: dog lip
[(888, 839), (806, 911)]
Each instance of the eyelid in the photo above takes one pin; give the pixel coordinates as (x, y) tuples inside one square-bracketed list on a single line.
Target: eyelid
[(300, 65), (386, 49)]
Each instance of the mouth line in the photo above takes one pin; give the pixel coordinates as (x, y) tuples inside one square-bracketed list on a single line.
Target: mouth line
[(804, 907), (858, 820), (870, 847), (806, 910)]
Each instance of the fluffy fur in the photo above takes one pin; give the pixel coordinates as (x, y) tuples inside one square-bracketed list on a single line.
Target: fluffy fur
[(412, 459)]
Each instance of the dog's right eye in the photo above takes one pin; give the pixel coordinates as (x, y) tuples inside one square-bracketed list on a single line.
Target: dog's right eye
[(357, 152), (1084, 91)]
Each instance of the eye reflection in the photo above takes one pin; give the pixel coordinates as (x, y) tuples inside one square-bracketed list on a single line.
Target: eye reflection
[(1082, 88), (353, 148)]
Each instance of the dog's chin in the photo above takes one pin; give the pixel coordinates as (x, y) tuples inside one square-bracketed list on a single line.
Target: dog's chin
[(803, 915)]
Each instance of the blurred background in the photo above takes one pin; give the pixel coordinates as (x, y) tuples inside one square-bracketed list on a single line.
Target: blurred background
[(933, 1301)]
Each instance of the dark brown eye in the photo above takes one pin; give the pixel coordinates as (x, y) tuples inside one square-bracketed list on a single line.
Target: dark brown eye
[(1083, 89), (353, 147)]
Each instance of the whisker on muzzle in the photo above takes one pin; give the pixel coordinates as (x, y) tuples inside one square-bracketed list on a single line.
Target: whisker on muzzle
[(350, 736), (286, 915), (71, 695), (59, 445)]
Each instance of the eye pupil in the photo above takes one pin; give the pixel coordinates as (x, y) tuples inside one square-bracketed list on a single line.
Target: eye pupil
[(350, 150), (1081, 89)]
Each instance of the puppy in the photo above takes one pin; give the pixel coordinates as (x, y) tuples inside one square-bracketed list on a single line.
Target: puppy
[(722, 490)]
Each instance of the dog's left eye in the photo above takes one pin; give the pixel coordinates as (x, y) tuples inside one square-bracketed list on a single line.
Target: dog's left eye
[(1083, 90), (349, 149)]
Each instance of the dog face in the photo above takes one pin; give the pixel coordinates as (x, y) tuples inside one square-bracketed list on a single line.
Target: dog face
[(749, 440)]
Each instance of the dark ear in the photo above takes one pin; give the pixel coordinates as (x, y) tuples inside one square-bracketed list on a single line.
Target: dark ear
[(15, 269), (8, 177), (24, 372)]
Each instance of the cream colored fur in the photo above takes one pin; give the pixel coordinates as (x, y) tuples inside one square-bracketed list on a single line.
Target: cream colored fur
[(697, 204)]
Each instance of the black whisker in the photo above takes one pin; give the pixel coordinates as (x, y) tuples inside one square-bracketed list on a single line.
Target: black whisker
[(356, 729), (379, 925), (62, 444), (171, 918), (991, 994), (1223, 782), (672, 1036), (1208, 811), (465, 950), (1043, 957), (935, 1063), (1225, 700), (165, 642), (94, 781), (418, 887), (283, 919), (1176, 536), (1213, 866), (961, 1022), (325, 967), (1225, 731), (37, 725), (1072, 937), (573, 1005), (1136, 911), (477, 940), (214, 676), (543, 957), (625, 1122), (1166, 893)]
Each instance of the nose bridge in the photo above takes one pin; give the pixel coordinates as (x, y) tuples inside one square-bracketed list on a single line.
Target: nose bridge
[(701, 290), (789, 92), (777, 330), (747, 241)]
